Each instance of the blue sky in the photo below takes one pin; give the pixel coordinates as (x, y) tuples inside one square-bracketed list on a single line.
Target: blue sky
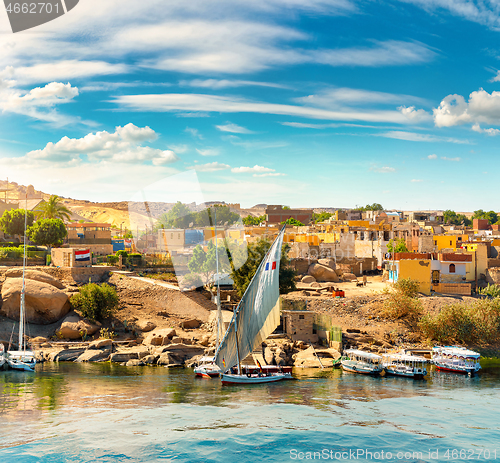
[(307, 103)]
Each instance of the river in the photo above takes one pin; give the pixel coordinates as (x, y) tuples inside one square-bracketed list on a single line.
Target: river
[(101, 412)]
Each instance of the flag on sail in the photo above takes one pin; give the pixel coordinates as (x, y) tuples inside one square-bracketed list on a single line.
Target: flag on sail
[(257, 314), (82, 256)]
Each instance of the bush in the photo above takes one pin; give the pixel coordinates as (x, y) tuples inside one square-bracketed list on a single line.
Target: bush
[(402, 300), (112, 259), (95, 302), (123, 253), (190, 280), (490, 290), (163, 276), (478, 322), (135, 259), (407, 286)]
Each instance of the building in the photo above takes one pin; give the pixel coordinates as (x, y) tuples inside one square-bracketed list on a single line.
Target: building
[(171, 240), (71, 257), (277, 215), (298, 325), (93, 236)]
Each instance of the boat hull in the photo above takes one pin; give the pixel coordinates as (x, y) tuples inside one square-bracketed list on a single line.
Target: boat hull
[(405, 374), (253, 379), (462, 371), (21, 360), (361, 369), (206, 371)]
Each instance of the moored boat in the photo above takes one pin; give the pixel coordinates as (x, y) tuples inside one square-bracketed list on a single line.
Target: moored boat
[(401, 364), (255, 318), (207, 367), (456, 360), (358, 361)]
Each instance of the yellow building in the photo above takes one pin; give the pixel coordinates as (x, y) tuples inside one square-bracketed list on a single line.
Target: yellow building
[(445, 242), (419, 270)]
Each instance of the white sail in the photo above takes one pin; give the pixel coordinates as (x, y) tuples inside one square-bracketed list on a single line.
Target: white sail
[(257, 314)]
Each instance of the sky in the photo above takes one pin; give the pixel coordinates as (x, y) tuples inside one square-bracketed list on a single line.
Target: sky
[(306, 103)]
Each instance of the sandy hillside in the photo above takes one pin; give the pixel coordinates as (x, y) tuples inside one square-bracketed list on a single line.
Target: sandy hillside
[(130, 220)]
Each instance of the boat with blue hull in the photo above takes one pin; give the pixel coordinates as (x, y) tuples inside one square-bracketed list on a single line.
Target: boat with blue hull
[(358, 361)]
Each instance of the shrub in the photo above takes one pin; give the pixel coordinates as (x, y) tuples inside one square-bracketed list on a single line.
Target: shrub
[(112, 259), (163, 276), (95, 301), (490, 290), (190, 280), (407, 286), (399, 305), (135, 259), (478, 321), (106, 333), (123, 253)]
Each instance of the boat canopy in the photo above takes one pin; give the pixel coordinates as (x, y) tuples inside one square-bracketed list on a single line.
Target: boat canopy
[(459, 352), (257, 314), (360, 353)]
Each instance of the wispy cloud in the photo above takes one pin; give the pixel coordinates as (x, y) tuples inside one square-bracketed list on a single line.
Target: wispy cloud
[(432, 156), (210, 167), (254, 169), (233, 128), (457, 159), (383, 170), (208, 151), (195, 133), (419, 137), (416, 180), (491, 132), (217, 84), (178, 102), (270, 174)]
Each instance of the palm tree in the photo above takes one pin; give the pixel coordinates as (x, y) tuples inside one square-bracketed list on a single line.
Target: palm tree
[(53, 209)]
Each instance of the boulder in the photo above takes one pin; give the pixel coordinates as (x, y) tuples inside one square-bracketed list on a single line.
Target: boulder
[(169, 360), (145, 325), (93, 356), (327, 263), (134, 363), (34, 275), (158, 336), (190, 324), (39, 340), (349, 277), (74, 326), (204, 341), (308, 279), (119, 357), (44, 303), (148, 359), (308, 358), (66, 355), (269, 356), (323, 273), (101, 344)]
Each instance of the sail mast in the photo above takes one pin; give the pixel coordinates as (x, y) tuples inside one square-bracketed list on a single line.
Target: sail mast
[(22, 345), (219, 312)]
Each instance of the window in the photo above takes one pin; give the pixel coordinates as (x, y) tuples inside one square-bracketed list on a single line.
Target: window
[(452, 268), (451, 243), (301, 317)]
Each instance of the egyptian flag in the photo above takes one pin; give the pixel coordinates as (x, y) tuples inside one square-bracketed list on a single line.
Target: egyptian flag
[(258, 363), (82, 256)]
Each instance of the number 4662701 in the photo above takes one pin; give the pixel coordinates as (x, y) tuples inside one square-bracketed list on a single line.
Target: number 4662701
[(32, 8)]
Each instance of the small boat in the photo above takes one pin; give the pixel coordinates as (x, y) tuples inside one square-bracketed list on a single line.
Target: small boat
[(207, 367), (265, 369), (22, 359), (2, 356), (456, 359), (358, 361), (255, 318), (401, 364)]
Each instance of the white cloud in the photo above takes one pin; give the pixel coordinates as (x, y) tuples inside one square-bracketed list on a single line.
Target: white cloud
[(195, 133), (210, 167), (496, 78), (178, 102), (383, 170), (482, 107), (491, 132), (38, 103), (208, 151), (122, 146), (217, 84), (254, 169), (61, 70), (233, 128), (479, 11), (432, 156), (270, 174), (415, 115), (457, 159), (416, 180), (419, 137)]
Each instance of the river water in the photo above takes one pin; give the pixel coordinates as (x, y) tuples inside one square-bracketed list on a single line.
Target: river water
[(109, 413)]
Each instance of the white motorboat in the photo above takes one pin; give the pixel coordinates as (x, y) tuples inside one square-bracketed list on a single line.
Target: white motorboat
[(401, 364), (358, 361), (456, 359)]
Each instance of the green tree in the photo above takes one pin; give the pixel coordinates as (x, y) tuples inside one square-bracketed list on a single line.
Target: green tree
[(321, 217), (491, 216), (256, 252), (180, 216), (292, 221), (12, 222), (452, 218), (96, 302), (400, 246), (374, 207), (253, 221), (225, 217), (53, 209), (47, 232), (204, 263)]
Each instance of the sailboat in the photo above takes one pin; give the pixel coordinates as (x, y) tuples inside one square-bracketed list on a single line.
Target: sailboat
[(206, 366), (255, 318), (22, 359)]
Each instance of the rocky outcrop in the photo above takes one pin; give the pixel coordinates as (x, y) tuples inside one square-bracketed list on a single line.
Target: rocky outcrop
[(93, 356), (323, 273), (159, 337), (308, 279), (327, 263), (145, 325), (309, 359), (76, 327), (45, 304), (190, 324), (34, 275)]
